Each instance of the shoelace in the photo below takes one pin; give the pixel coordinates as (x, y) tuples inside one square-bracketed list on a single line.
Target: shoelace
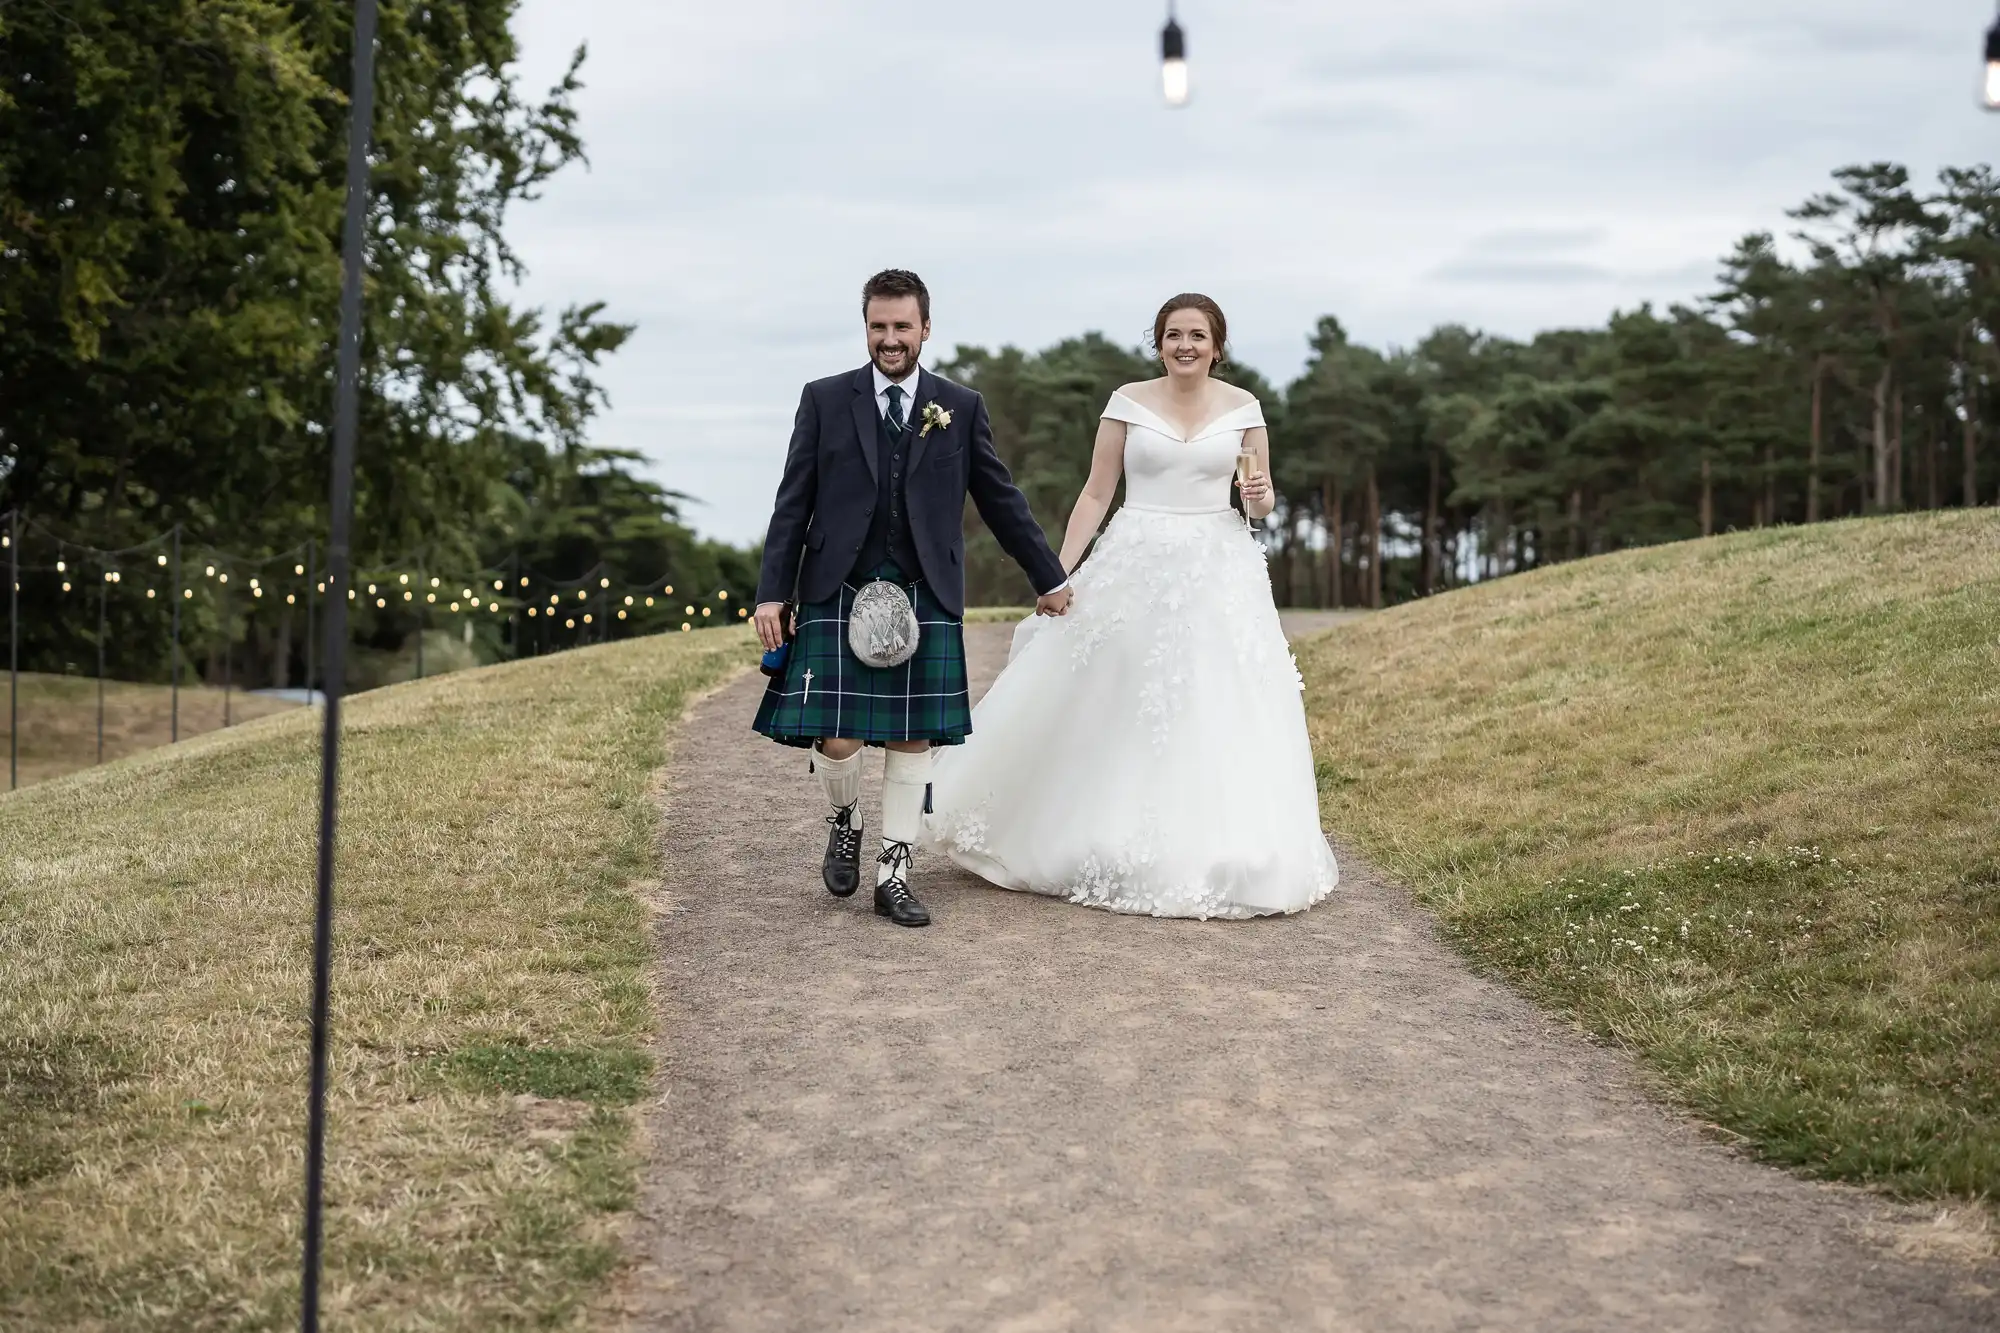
[(846, 838), (898, 858)]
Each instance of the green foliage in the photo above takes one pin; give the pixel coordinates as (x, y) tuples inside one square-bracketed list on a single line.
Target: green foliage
[(1854, 376), (172, 180)]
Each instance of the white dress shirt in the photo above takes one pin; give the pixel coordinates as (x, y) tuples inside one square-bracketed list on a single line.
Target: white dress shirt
[(908, 384)]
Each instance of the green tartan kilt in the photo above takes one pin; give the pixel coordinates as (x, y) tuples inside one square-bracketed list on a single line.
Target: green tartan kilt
[(826, 693)]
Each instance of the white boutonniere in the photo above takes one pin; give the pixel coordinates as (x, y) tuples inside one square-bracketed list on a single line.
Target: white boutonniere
[(934, 416)]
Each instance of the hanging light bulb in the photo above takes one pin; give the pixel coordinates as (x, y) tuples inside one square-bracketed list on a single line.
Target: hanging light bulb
[(1173, 60), (1992, 89)]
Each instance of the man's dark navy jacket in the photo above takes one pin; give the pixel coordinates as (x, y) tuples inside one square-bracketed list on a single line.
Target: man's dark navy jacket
[(833, 485)]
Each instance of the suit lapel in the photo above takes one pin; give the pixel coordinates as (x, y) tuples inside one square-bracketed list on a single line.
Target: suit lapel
[(926, 395), (865, 424)]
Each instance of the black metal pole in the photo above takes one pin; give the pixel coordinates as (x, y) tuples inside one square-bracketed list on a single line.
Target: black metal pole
[(312, 582), (174, 595), (103, 595), (346, 413), (228, 642), (13, 649), (423, 619)]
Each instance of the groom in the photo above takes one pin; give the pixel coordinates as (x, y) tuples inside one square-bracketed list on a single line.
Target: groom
[(880, 463)]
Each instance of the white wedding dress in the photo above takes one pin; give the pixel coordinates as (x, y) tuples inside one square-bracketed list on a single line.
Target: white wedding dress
[(1147, 752)]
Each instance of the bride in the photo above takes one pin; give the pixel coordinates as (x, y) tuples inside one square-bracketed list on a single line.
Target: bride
[(1147, 752)]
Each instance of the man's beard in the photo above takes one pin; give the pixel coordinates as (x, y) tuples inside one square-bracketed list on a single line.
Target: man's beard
[(909, 365)]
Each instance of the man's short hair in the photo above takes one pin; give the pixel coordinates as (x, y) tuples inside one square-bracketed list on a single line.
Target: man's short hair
[(895, 282)]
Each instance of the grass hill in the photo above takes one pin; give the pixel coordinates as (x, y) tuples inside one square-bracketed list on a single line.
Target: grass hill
[(59, 720), (491, 1005), (1733, 803)]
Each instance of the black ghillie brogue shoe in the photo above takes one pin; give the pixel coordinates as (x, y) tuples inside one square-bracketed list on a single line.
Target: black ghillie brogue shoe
[(842, 870), (893, 898)]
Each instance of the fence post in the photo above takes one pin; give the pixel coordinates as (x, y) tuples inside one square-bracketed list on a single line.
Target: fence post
[(312, 581), (13, 649), (423, 617), (174, 595), (228, 642), (103, 596)]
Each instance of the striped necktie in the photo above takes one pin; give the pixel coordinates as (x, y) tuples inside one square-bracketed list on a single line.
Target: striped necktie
[(895, 417)]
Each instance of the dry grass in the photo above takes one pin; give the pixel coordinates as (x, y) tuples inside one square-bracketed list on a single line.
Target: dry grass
[(1732, 803), (491, 1007), (59, 720)]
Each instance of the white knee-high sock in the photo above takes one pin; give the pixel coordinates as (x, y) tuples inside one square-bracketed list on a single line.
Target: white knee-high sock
[(839, 779), (905, 778)]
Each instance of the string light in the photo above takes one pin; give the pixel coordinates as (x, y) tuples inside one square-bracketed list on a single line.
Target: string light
[(210, 571), (532, 613), (628, 601), (604, 583), (434, 583), (467, 594), (1992, 88), (649, 601), (586, 620), (454, 606), (225, 578), (429, 596), (704, 612), (687, 610), (290, 600), (162, 560), (742, 612), (685, 627), (569, 624), (670, 590), (724, 594), (380, 601), (581, 595), (61, 567), (149, 594), (409, 596), (298, 569), (371, 590), (189, 592), (621, 615), (65, 585), (404, 578), (1173, 61)]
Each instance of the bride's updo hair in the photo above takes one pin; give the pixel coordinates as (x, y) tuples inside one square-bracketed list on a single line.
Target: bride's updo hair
[(1218, 326)]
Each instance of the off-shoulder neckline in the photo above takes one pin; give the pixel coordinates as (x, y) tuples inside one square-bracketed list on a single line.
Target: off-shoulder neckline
[(1166, 428)]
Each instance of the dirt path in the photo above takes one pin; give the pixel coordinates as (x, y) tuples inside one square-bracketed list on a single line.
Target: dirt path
[(1034, 1116)]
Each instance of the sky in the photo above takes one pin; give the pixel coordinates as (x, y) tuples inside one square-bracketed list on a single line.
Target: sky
[(1512, 165)]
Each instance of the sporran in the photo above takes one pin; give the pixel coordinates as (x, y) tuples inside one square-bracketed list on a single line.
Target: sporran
[(883, 629)]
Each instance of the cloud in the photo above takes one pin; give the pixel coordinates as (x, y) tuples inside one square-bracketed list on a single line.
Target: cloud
[(1510, 164), (1539, 271)]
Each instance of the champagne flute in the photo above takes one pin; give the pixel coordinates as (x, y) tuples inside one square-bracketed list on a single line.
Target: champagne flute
[(1246, 468)]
